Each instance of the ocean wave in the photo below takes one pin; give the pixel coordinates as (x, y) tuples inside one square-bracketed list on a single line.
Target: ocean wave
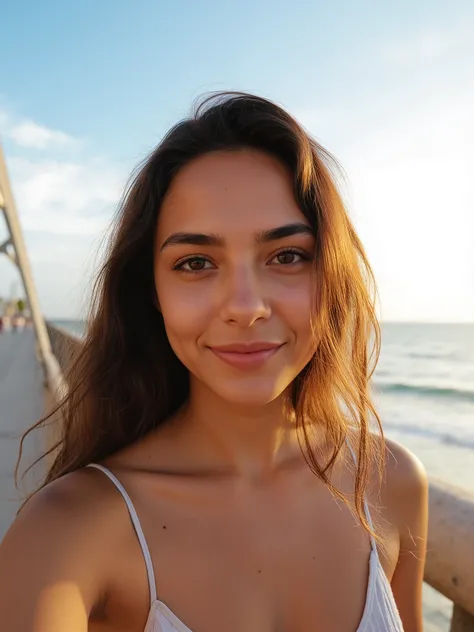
[(433, 356), (437, 435), (426, 391)]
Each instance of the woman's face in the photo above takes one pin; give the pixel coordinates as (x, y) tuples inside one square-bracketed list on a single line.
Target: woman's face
[(233, 272)]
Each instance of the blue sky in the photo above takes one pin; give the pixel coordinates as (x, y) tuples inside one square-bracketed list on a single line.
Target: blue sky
[(89, 88)]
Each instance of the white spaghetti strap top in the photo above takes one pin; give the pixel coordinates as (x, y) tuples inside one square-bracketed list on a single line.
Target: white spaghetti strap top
[(380, 611), (137, 526)]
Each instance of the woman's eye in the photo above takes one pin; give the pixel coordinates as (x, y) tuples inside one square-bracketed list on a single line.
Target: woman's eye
[(194, 264), (288, 257), (199, 264)]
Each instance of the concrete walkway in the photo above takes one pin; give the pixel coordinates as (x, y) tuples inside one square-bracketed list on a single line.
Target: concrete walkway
[(21, 405)]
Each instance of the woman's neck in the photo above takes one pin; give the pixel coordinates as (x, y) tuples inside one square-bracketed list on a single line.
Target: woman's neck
[(252, 442)]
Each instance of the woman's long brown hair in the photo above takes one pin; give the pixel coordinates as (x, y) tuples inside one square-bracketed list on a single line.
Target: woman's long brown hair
[(126, 379)]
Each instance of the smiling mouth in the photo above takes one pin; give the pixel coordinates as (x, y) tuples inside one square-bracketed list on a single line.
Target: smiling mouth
[(246, 356)]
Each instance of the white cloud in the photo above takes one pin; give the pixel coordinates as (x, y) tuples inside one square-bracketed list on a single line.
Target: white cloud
[(29, 134), (65, 201), (65, 197)]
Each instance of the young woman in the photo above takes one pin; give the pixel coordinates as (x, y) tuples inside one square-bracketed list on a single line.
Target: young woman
[(221, 466)]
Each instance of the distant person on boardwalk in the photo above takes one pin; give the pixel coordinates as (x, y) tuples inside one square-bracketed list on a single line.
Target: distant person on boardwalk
[(222, 467)]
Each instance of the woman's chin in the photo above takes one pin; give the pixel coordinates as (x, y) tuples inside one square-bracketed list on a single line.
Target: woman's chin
[(256, 392)]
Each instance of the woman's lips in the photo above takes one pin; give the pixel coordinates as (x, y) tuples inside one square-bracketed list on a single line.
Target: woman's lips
[(250, 356)]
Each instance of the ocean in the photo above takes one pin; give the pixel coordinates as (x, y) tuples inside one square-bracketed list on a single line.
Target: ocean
[(424, 392)]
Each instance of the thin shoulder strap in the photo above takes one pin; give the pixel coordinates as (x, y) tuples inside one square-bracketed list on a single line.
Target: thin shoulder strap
[(137, 526), (366, 506)]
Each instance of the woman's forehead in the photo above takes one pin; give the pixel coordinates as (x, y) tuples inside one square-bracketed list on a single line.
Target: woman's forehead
[(226, 190)]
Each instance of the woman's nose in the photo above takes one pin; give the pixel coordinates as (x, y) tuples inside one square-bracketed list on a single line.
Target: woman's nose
[(243, 301)]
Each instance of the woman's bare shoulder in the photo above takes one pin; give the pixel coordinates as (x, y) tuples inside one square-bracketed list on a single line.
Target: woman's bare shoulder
[(406, 475), (77, 502), (404, 472), (57, 554), (404, 486)]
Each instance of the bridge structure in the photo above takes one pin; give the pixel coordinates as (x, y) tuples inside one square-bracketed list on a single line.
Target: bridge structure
[(28, 367), (31, 379)]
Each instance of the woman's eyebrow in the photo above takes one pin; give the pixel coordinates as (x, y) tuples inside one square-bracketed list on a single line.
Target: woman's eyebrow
[(202, 239), (195, 239), (281, 232)]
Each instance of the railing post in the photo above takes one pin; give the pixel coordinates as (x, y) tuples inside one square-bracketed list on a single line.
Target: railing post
[(52, 374), (7, 204), (449, 568), (462, 621)]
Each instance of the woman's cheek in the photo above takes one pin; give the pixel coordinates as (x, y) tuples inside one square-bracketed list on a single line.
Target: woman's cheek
[(185, 308)]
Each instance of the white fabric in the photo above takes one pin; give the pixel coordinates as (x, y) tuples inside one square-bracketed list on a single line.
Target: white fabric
[(380, 611), (138, 528)]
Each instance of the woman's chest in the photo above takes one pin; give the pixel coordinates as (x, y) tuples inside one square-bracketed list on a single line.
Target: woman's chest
[(266, 566)]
